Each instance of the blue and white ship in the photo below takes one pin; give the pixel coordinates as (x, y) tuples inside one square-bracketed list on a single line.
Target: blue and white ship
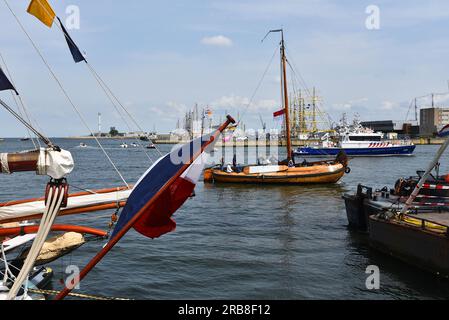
[(357, 140)]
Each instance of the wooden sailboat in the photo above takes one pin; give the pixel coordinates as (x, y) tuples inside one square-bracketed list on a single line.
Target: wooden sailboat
[(285, 172)]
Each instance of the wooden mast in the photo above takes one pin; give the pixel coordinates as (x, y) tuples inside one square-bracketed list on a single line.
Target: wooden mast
[(286, 106)]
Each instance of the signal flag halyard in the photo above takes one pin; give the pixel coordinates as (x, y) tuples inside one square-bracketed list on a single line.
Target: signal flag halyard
[(42, 10), (74, 50)]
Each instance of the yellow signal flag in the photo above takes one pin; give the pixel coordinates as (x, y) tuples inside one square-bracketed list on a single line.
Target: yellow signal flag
[(42, 10)]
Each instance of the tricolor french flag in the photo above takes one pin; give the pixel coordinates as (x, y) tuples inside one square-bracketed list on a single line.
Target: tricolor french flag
[(444, 132), (157, 220)]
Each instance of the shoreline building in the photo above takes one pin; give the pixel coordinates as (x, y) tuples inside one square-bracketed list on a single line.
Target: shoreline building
[(432, 120), (389, 127)]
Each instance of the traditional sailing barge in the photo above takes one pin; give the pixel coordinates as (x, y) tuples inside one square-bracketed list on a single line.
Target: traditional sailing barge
[(285, 172)]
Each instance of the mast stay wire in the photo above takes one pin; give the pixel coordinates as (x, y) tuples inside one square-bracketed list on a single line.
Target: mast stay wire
[(18, 99), (301, 80), (120, 114), (112, 96), (65, 92), (245, 110), (422, 97), (106, 89)]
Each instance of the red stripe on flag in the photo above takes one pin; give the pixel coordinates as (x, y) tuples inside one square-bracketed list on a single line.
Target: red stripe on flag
[(157, 219)]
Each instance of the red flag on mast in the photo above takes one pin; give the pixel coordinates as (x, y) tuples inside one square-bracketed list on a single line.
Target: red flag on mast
[(279, 113)]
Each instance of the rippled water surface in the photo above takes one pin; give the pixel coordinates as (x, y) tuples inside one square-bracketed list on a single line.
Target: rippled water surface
[(238, 242)]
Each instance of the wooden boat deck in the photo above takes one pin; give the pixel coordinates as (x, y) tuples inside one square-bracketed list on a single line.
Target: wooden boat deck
[(434, 217)]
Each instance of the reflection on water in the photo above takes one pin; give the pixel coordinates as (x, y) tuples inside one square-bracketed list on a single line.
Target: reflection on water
[(239, 241)]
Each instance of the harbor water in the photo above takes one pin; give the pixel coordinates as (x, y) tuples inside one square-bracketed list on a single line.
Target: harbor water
[(237, 241)]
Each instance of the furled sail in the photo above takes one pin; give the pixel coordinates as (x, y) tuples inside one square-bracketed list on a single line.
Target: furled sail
[(77, 203), (46, 161)]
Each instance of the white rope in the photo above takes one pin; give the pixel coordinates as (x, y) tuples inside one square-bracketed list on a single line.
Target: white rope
[(54, 202), (65, 92), (4, 163)]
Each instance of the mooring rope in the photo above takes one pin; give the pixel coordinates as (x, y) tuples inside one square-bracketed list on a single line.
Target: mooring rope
[(76, 295)]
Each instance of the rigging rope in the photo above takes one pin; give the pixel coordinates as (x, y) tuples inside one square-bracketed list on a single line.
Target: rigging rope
[(105, 89), (65, 92), (16, 99), (26, 124), (102, 84), (301, 80), (258, 87), (75, 295), (55, 199)]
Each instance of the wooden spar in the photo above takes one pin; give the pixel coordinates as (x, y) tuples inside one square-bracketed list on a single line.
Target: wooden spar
[(7, 232), (286, 106), (136, 217), (423, 179), (19, 162)]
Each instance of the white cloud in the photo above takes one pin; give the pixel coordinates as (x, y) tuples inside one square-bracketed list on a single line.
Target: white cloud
[(389, 105), (171, 110), (346, 106), (241, 103), (219, 41)]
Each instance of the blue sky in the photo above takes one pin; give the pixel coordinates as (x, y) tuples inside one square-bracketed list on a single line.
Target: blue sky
[(161, 58)]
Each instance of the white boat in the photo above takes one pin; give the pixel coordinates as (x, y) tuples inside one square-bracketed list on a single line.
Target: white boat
[(124, 145), (356, 140), (83, 145)]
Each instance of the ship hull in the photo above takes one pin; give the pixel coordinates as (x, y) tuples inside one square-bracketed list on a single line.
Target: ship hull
[(299, 175), (411, 244), (361, 152)]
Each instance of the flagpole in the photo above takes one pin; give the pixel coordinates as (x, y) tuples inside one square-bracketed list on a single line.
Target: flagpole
[(100, 255)]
